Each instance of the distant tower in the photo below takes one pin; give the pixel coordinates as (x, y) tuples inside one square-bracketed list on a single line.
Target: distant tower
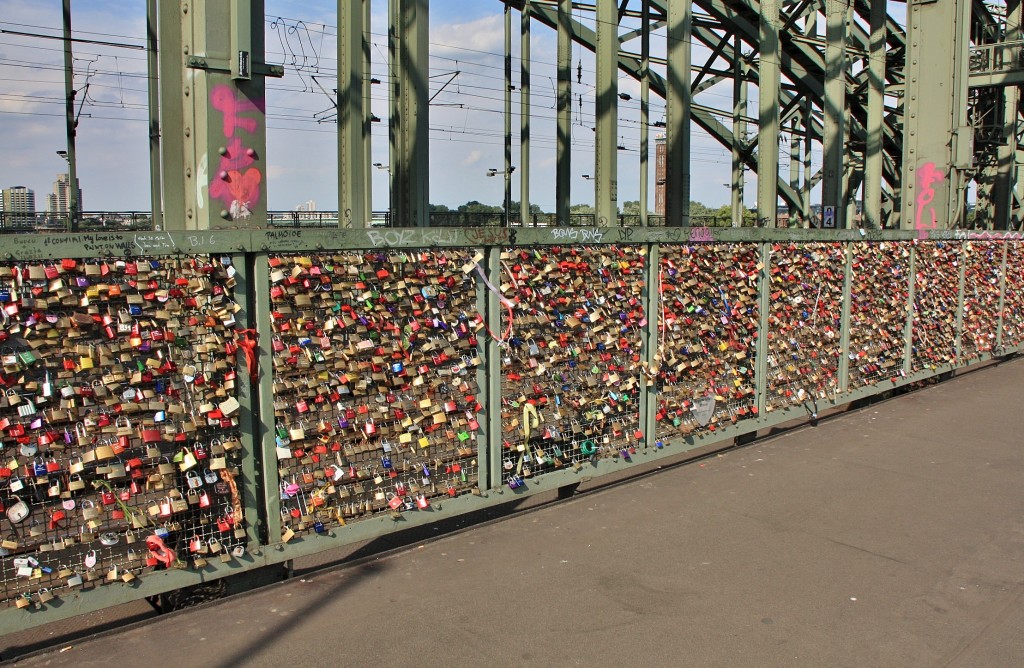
[(58, 203), (19, 207), (660, 157)]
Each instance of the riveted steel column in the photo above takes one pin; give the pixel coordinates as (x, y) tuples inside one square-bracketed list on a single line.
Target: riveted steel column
[(606, 109), (872, 211), (367, 113), (936, 143), (795, 211), (1006, 152), (677, 110), (563, 155), (834, 144), (212, 105), (524, 117), (411, 175), (805, 191), (353, 209), (153, 73), (175, 106), (768, 115), (70, 122), (395, 36), (645, 104), (739, 128)]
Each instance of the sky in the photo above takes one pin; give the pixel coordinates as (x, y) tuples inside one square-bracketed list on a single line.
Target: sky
[(466, 137)]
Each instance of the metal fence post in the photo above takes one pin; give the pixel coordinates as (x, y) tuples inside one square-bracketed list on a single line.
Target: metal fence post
[(248, 396), (908, 328), (764, 290), (960, 304), (844, 323), (490, 456), (264, 447), (651, 354), (1002, 298)]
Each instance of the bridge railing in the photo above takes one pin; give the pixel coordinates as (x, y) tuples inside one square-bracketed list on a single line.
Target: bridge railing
[(182, 407)]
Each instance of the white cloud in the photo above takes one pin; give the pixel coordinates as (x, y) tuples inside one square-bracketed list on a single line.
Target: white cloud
[(473, 157)]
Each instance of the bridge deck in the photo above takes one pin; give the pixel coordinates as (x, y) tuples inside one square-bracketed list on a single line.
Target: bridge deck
[(892, 535)]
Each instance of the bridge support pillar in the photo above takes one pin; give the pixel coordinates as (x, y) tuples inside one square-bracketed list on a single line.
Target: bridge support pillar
[(937, 143), (212, 107)]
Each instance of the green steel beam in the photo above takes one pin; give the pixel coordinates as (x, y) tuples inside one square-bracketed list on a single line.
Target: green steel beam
[(739, 129), (678, 101), (1000, 308), (764, 301), (1006, 151), (645, 105), (70, 121), (844, 321), (563, 156), (835, 147), (872, 208), (768, 115), (153, 107), (908, 328), (411, 176), (354, 210), (934, 143), (606, 111), (262, 421), (506, 201), (490, 468), (212, 107), (175, 105), (524, 115), (367, 112), (247, 294)]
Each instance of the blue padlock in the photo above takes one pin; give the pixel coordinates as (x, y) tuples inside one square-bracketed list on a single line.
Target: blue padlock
[(426, 471), (135, 309), (515, 482), (319, 527), (385, 462)]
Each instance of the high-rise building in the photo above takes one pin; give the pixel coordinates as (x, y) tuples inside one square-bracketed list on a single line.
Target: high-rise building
[(19, 207), (660, 158), (58, 203)]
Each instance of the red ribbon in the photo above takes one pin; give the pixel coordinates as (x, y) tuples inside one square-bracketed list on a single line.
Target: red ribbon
[(246, 340)]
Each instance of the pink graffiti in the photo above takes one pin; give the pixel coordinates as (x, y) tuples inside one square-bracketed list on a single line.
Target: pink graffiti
[(236, 183), (701, 234), (239, 191), (927, 176), (223, 99)]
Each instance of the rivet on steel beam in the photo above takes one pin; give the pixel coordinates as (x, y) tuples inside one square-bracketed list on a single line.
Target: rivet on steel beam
[(251, 152), (224, 214), (223, 150)]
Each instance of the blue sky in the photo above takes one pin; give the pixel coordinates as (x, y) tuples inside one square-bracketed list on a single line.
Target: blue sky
[(466, 123)]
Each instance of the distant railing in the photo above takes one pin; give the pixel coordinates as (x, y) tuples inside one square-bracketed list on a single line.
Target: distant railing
[(14, 222), (117, 221)]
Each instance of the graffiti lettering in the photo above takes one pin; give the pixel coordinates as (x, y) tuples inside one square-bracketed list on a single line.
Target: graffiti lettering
[(487, 235), (701, 234), (411, 237), (927, 176), (147, 242), (625, 233), (581, 234), (998, 236), (223, 100)]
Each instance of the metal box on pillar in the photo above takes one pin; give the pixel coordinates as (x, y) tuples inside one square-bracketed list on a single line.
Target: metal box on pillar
[(212, 74)]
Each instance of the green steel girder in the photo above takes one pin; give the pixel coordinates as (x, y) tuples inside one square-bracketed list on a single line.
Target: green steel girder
[(632, 66)]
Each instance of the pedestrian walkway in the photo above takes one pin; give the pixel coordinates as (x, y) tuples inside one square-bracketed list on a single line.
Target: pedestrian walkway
[(888, 536)]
